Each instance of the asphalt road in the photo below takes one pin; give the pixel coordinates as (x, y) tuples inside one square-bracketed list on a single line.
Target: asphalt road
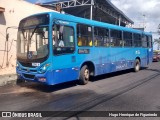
[(120, 91)]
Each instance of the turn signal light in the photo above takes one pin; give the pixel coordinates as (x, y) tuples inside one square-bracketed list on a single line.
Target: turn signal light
[(42, 79)]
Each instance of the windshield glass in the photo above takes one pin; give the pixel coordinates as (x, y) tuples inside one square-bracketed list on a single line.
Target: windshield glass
[(32, 43)]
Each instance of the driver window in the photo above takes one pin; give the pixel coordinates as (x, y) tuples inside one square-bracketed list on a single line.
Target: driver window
[(63, 39)]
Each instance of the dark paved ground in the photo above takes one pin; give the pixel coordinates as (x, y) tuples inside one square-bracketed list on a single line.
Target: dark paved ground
[(122, 91)]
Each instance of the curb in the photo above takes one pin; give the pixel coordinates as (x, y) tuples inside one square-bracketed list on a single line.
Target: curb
[(8, 79)]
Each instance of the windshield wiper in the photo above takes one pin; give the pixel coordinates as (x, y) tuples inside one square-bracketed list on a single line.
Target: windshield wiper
[(23, 34), (30, 39), (33, 32)]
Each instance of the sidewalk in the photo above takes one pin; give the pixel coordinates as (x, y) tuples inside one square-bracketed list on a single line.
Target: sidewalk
[(8, 79), (8, 75)]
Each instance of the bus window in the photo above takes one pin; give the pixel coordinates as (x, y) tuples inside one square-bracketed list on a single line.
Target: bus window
[(144, 41), (116, 38), (127, 37), (101, 37), (149, 41), (84, 35), (63, 39), (137, 40), (106, 38)]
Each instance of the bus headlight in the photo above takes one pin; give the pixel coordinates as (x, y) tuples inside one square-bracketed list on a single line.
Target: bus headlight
[(44, 68), (18, 66)]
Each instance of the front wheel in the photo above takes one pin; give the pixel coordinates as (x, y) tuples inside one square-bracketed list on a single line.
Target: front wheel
[(137, 65), (84, 75)]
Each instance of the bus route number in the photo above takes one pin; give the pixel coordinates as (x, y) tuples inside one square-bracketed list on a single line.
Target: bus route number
[(83, 51)]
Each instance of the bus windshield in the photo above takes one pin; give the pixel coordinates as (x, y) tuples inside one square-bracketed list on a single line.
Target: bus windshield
[(32, 43)]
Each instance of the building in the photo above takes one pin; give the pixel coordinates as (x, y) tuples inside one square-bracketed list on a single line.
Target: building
[(99, 10), (11, 12)]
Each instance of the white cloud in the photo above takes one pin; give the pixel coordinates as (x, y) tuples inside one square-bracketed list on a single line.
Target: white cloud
[(142, 12), (136, 9)]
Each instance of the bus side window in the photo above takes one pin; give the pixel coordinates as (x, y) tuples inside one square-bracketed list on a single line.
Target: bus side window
[(137, 40), (106, 38), (98, 36), (84, 35), (127, 37), (116, 38), (144, 41), (101, 36), (149, 41)]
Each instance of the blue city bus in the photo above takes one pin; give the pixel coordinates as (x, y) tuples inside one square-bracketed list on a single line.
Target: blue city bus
[(54, 48)]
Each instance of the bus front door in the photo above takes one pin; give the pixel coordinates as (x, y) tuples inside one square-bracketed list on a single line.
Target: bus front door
[(64, 55)]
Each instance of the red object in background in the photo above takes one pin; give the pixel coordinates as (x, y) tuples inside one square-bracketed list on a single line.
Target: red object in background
[(156, 56)]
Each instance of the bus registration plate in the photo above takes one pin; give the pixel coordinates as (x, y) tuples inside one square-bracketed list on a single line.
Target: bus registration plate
[(35, 64)]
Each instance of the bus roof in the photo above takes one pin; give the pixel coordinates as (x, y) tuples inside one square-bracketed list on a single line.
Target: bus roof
[(71, 18)]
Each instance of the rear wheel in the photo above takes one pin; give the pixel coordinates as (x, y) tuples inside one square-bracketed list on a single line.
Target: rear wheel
[(84, 75), (137, 65)]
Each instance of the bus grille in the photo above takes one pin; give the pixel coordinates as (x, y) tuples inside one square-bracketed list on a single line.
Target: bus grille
[(29, 76), (24, 69), (27, 64)]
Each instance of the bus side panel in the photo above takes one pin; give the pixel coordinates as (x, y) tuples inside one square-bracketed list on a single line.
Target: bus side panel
[(64, 75), (142, 53), (115, 59)]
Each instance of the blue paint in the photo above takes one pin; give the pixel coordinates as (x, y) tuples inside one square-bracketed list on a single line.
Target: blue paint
[(64, 68)]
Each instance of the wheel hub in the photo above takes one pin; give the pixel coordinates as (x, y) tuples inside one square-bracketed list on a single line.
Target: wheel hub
[(86, 73)]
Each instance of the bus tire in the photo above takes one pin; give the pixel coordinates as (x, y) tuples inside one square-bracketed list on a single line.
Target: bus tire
[(137, 65), (84, 75)]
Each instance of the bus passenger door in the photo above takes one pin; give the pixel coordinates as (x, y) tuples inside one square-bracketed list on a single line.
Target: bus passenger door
[(149, 50), (149, 55), (64, 47)]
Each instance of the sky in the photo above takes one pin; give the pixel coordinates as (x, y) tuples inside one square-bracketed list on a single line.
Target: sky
[(144, 13)]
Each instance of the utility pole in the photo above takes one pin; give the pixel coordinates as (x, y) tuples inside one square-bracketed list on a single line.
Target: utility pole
[(144, 16), (91, 12)]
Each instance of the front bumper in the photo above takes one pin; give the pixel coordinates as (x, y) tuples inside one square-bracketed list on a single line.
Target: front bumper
[(35, 77)]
